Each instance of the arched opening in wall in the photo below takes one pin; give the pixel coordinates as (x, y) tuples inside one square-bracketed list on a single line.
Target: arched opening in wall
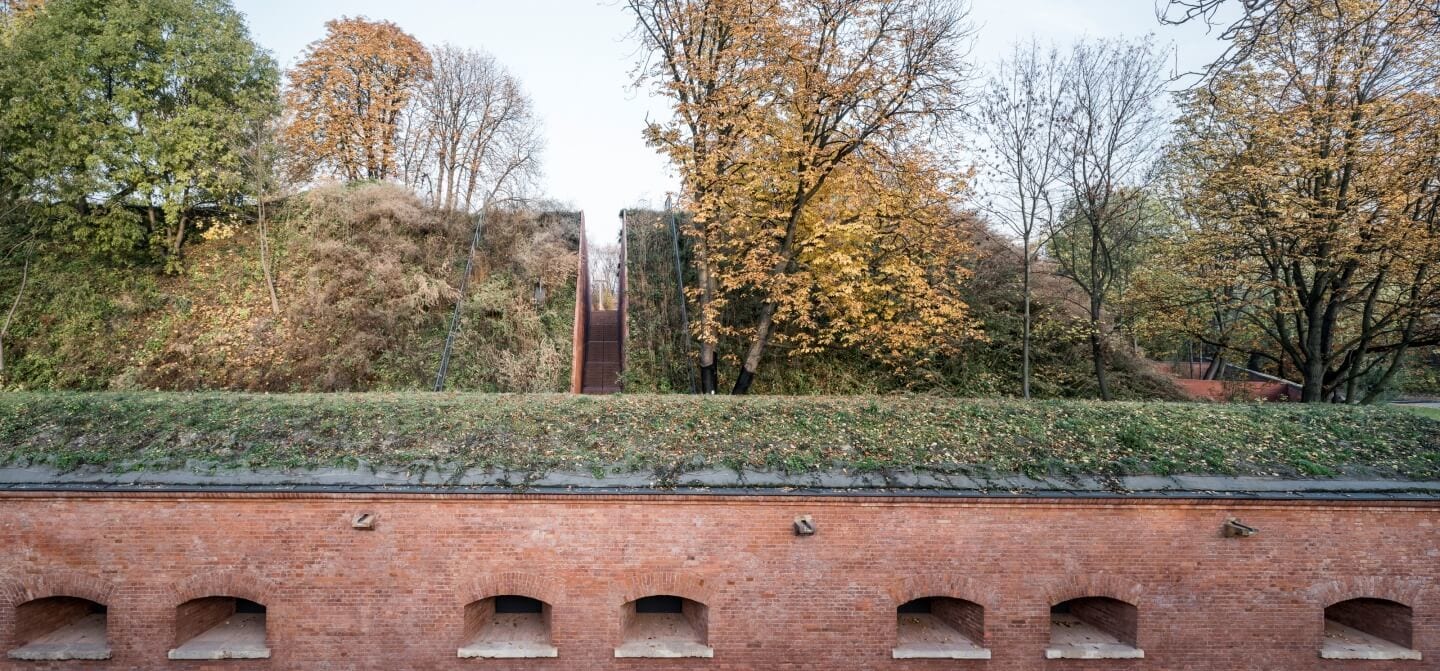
[(60, 628), (940, 628), (665, 626), (507, 627), (220, 627), (1094, 627), (1368, 629)]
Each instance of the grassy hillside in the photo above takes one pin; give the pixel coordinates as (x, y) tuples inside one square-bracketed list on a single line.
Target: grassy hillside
[(366, 278), (673, 433)]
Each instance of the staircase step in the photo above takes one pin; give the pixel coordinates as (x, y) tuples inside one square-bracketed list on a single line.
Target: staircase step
[(602, 354), (610, 355)]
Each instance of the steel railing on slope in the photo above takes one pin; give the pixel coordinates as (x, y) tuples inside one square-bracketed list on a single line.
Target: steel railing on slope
[(582, 313)]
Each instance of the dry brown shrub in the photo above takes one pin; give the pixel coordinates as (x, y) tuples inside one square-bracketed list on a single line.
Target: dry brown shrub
[(374, 264)]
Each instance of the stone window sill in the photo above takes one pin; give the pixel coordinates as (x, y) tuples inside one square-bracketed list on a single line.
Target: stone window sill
[(1413, 655), (219, 653), (32, 653), (242, 636), (1094, 651), (508, 651), (83, 639), (664, 650), (1342, 642), (938, 652), (1074, 638)]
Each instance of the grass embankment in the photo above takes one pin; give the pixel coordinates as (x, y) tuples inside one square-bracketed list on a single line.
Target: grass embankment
[(673, 434), (1432, 413)]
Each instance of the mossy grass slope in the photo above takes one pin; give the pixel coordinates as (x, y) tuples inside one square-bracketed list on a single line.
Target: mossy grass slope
[(544, 433)]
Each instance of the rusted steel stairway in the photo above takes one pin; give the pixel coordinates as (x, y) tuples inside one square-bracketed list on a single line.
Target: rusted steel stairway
[(598, 355), (602, 354)]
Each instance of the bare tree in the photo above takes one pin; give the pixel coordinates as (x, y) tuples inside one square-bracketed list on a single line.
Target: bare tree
[(1252, 21), (471, 132), (1020, 112), (262, 161), (605, 275), (1110, 135)]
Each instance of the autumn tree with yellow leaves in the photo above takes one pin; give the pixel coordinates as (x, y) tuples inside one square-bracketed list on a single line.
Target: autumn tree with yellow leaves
[(803, 132), (346, 97), (1308, 164), (707, 56), (12, 11)]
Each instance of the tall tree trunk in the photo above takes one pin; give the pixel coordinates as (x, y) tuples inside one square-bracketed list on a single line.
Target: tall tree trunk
[(1217, 364), (756, 351), (265, 256), (1313, 368), (767, 311), (708, 377), (10, 316), (1097, 348), (179, 240), (709, 367), (1255, 362), (709, 373), (1312, 388), (1025, 337)]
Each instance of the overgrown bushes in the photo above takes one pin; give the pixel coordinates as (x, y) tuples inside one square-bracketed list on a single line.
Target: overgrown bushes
[(367, 279)]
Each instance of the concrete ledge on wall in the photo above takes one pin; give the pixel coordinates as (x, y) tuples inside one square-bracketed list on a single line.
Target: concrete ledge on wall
[(241, 636), (1342, 642), (1074, 638), (508, 651), (919, 651), (200, 477), (511, 636), (83, 639), (664, 650)]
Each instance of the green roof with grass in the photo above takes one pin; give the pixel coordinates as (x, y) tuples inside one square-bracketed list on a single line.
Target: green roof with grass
[(127, 432)]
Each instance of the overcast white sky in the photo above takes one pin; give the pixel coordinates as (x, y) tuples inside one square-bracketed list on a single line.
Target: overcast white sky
[(576, 59)]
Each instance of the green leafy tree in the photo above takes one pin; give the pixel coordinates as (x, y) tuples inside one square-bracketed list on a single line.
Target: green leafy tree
[(123, 120)]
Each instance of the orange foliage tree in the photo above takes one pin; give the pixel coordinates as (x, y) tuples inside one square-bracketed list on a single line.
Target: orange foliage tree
[(803, 134), (1310, 169), (346, 97)]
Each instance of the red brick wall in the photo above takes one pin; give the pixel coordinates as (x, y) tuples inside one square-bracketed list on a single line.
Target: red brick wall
[(395, 597)]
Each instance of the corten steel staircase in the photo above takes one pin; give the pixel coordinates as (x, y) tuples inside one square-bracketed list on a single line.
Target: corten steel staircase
[(602, 354), (598, 355)]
